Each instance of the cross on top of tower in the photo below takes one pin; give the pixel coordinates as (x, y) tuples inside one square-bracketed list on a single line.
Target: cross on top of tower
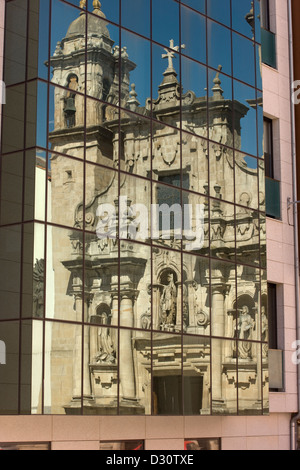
[(170, 54)]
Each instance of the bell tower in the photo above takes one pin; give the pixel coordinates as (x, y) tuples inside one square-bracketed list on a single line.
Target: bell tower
[(86, 65)]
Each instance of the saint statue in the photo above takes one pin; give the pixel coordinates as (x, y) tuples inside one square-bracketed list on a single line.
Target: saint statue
[(245, 329), (264, 331), (106, 350), (168, 303)]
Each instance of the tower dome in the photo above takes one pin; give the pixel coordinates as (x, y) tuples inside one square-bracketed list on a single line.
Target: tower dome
[(95, 27)]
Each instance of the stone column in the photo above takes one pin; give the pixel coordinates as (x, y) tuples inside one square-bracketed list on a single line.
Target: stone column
[(126, 366), (114, 318), (156, 293), (178, 325), (77, 358), (218, 329)]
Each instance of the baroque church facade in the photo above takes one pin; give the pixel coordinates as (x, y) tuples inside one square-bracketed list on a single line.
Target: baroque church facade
[(170, 323)]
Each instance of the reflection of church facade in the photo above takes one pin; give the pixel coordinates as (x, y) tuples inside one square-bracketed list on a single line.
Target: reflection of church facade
[(162, 325)]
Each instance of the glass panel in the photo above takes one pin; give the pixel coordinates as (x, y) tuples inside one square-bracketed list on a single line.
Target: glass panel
[(223, 299), (63, 369), (66, 119), (263, 241), (163, 31), (273, 198), (32, 367), (242, 17), (66, 189), (262, 185), (220, 94), (196, 295), (135, 370), (258, 19), (194, 163), (221, 168), (135, 283), (137, 69), (258, 68), (102, 75), (166, 91), (9, 379), (36, 114), (268, 48), (196, 376), (224, 377), (166, 153), (194, 98), (167, 215), (193, 34), (167, 374), (248, 300), (245, 106), (11, 188), (35, 184), (260, 123), (33, 271), (249, 378), (166, 290), (15, 41), (70, 24), (109, 8), (219, 47), (222, 229), (101, 119), (196, 4), (10, 272), (64, 275), (136, 16), (134, 208), (247, 236), (136, 144), (246, 178), (243, 59), (13, 114), (100, 368), (38, 39), (195, 223), (219, 10)]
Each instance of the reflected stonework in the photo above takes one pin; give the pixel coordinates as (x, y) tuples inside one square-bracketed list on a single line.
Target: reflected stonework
[(151, 289), (118, 286)]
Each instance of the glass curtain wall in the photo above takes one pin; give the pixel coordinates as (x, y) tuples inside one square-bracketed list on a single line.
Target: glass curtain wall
[(133, 209)]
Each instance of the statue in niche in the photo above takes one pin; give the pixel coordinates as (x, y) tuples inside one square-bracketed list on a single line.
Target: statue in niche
[(106, 349), (168, 304), (245, 329), (264, 331)]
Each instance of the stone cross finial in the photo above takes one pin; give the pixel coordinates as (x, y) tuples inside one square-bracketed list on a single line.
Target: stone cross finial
[(170, 54), (217, 78)]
